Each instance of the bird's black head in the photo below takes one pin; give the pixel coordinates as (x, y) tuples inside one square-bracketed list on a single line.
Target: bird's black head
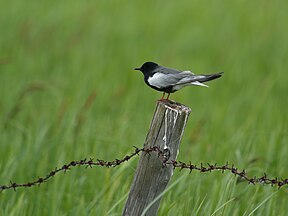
[(147, 67)]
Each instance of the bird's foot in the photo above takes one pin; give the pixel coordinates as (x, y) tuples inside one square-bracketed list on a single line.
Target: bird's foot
[(163, 99)]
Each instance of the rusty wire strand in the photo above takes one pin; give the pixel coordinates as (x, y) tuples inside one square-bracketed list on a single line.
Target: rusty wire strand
[(162, 155)]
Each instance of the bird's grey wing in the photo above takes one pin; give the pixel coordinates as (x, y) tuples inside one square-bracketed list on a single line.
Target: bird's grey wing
[(198, 78), (164, 80), (166, 70), (188, 78)]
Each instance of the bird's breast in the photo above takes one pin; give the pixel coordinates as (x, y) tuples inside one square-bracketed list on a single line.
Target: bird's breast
[(157, 80)]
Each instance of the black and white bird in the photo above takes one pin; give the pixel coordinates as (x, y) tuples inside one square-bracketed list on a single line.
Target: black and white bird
[(169, 80)]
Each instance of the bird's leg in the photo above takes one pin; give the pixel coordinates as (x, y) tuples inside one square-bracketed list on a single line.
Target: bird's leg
[(168, 96), (163, 96)]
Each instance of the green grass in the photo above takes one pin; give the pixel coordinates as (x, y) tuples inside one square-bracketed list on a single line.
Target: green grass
[(57, 56)]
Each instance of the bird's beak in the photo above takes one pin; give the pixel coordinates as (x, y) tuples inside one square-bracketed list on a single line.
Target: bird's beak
[(137, 69)]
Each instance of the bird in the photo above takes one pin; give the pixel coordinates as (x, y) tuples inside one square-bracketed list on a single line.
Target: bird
[(169, 80)]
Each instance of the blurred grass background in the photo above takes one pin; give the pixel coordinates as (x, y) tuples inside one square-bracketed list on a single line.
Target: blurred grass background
[(68, 92)]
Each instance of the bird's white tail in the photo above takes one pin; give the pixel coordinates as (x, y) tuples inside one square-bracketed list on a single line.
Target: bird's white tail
[(199, 84)]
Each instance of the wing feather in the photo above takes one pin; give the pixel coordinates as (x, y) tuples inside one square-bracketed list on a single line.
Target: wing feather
[(161, 80)]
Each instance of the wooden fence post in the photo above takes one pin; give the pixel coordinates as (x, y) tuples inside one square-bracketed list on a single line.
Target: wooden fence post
[(151, 177)]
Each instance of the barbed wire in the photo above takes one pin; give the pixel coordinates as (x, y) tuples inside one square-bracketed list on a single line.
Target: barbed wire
[(162, 155)]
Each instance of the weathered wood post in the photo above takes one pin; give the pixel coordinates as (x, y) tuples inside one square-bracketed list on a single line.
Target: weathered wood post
[(151, 177)]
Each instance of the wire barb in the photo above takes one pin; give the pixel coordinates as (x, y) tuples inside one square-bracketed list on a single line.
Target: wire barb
[(163, 156)]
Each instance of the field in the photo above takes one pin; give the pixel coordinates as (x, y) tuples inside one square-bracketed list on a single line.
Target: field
[(68, 92)]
